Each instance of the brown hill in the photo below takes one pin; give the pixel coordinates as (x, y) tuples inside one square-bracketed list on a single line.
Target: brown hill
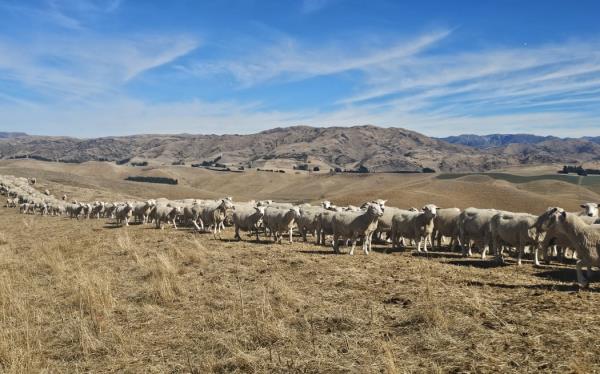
[(376, 148)]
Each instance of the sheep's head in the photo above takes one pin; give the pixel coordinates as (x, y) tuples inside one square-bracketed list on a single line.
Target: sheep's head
[(430, 209), (551, 216), (375, 209), (260, 210), (326, 204), (590, 209), (380, 202)]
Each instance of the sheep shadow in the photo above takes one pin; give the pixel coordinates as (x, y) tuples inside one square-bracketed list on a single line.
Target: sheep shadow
[(112, 225), (389, 250), (319, 252), (565, 274), (478, 263), (572, 287), (437, 254)]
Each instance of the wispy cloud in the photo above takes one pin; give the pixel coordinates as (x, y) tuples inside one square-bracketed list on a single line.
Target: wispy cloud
[(286, 59), (87, 65), (68, 14)]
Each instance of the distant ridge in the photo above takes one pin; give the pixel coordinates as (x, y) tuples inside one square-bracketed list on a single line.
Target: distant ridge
[(374, 148), (6, 135), (496, 140)]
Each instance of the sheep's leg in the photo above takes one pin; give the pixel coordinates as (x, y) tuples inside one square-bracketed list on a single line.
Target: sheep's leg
[(365, 245), (291, 230), (335, 244), (521, 251), (353, 246), (583, 282), (196, 225), (535, 255), (484, 251), (427, 238)]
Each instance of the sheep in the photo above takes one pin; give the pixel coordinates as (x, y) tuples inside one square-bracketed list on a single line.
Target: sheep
[(417, 226), (308, 219), (445, 224), (280, 220), (165, 213), (109, 210), (248, 219), (555, 238), (97, 209), (142, 210), (474, 225), (355, 225), (11, 203), (213, 213), (384, 225), (191, 214), (589, 209), (584, 238), (324, 225), (123, 214), (514, 229)]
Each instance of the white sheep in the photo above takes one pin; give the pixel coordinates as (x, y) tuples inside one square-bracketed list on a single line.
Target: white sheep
[(123, 214), (417, 226), (165, 213), (280, 220), (516, 230), (247, 218), (213, 213), (589, 209), (474, 225), (445, 224), (584, 238), (355, 225)]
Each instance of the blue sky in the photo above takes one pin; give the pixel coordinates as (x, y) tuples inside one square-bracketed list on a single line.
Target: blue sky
[(115, 67)]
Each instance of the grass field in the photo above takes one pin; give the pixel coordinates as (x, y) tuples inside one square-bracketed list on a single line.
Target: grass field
[(82, 296)]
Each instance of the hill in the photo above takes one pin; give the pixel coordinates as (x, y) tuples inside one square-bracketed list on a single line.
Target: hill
[(378, 149), (496, 140)]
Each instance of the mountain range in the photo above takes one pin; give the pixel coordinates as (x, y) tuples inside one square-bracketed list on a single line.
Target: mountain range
[(376, 148)]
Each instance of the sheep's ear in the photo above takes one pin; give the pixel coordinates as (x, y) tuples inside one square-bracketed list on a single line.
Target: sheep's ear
[(583, 205), (563, 216)]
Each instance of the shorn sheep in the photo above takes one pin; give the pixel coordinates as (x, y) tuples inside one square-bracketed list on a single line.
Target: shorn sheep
[(247, 218), (417, 226), (355, 225), (584, 238), (516, 230), (280, 220)]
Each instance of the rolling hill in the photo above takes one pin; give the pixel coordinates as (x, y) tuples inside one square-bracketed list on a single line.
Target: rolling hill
[(376, 148)]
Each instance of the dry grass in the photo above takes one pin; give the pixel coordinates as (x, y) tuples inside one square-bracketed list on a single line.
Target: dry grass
[(94, 299), (80, 296)]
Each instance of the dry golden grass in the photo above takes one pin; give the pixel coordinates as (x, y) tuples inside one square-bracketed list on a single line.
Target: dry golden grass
[(79, 296)]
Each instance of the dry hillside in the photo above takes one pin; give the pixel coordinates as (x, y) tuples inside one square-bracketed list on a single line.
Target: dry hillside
[(88, 296), (376, 148)]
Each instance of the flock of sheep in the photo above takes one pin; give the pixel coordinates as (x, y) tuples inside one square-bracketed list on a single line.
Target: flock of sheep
[(555, 229)]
